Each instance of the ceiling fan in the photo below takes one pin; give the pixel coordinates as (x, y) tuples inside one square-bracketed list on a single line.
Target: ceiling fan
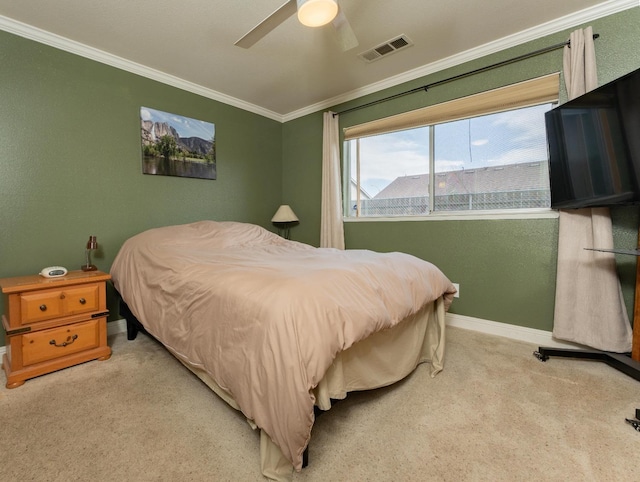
[(312, 13)]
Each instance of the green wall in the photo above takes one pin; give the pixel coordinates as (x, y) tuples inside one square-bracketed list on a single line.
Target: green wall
[(70, 160), (70, 167), (505, 268)]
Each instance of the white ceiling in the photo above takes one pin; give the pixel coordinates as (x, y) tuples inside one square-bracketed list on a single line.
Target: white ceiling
[(294, 70)]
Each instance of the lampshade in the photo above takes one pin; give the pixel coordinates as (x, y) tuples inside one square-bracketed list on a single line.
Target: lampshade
[(284, 214), (92, 243), (315, 13)]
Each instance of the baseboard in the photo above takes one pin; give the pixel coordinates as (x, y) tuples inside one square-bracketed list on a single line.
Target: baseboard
[(520, 333), (514, 332)]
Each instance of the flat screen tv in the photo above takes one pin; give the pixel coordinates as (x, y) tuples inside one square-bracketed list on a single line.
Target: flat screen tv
[(594, 147)]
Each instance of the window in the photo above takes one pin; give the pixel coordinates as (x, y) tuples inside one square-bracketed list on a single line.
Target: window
[(492, 160)]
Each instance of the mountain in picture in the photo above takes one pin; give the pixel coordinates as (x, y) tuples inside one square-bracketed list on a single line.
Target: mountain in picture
[(174, 145)]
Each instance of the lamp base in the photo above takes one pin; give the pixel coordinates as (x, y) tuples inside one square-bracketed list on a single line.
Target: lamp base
[(88, 267), (284, 227)]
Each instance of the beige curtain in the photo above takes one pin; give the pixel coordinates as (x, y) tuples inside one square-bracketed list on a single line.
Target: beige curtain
[(589, 307), (331, 227)]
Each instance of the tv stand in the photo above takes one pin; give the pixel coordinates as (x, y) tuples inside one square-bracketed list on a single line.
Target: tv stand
[(619, 361), (629, 365)]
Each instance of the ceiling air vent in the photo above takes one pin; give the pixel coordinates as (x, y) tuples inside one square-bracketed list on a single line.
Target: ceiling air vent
[(386, 48)]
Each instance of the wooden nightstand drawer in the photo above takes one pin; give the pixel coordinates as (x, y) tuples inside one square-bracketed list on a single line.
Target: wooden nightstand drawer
[(81, 299), (46, 345), (47, 304)]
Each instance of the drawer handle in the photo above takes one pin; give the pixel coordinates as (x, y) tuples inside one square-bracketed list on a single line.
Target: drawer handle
[(43, 307), (82, 301), (70, 339)]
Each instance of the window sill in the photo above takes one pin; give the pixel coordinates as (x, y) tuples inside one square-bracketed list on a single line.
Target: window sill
[(462, 216)]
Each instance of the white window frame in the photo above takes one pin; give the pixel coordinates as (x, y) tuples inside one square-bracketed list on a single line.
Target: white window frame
[(529, 93)]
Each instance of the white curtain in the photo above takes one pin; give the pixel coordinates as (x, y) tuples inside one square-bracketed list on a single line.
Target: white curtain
[(331, 227), (589, 308)]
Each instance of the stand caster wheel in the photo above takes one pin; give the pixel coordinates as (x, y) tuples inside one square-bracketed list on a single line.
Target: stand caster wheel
[(540, 356)]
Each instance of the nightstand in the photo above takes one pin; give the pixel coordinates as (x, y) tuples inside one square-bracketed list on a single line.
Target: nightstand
[(53, 323)]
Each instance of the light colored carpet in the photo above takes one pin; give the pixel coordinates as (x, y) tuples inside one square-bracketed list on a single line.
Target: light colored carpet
[(495, 413)]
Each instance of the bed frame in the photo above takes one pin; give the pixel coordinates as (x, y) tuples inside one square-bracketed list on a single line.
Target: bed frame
[(133, 325)]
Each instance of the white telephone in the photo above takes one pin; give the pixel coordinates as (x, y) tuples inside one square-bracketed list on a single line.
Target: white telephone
[(53, 271)]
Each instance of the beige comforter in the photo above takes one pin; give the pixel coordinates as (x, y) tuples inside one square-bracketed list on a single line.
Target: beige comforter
[(264, 316)]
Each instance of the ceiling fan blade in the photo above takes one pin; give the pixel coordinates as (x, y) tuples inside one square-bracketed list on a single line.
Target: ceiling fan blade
[(268, 24), (344, 33)]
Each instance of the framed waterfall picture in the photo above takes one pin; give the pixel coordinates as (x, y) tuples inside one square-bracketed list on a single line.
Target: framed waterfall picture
[(174, 145)]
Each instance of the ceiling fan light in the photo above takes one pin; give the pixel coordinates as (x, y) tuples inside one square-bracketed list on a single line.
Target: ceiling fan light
[(315, 13)]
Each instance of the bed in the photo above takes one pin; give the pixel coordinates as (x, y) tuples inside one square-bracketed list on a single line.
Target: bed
[(278, 328)]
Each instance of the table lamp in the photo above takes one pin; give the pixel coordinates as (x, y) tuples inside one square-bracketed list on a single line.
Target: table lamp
[(284, 218), (92, 245)]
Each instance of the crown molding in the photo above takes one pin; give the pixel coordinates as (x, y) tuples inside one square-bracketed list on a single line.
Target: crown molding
[(63, 43), (534, 33), (558, 25)]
